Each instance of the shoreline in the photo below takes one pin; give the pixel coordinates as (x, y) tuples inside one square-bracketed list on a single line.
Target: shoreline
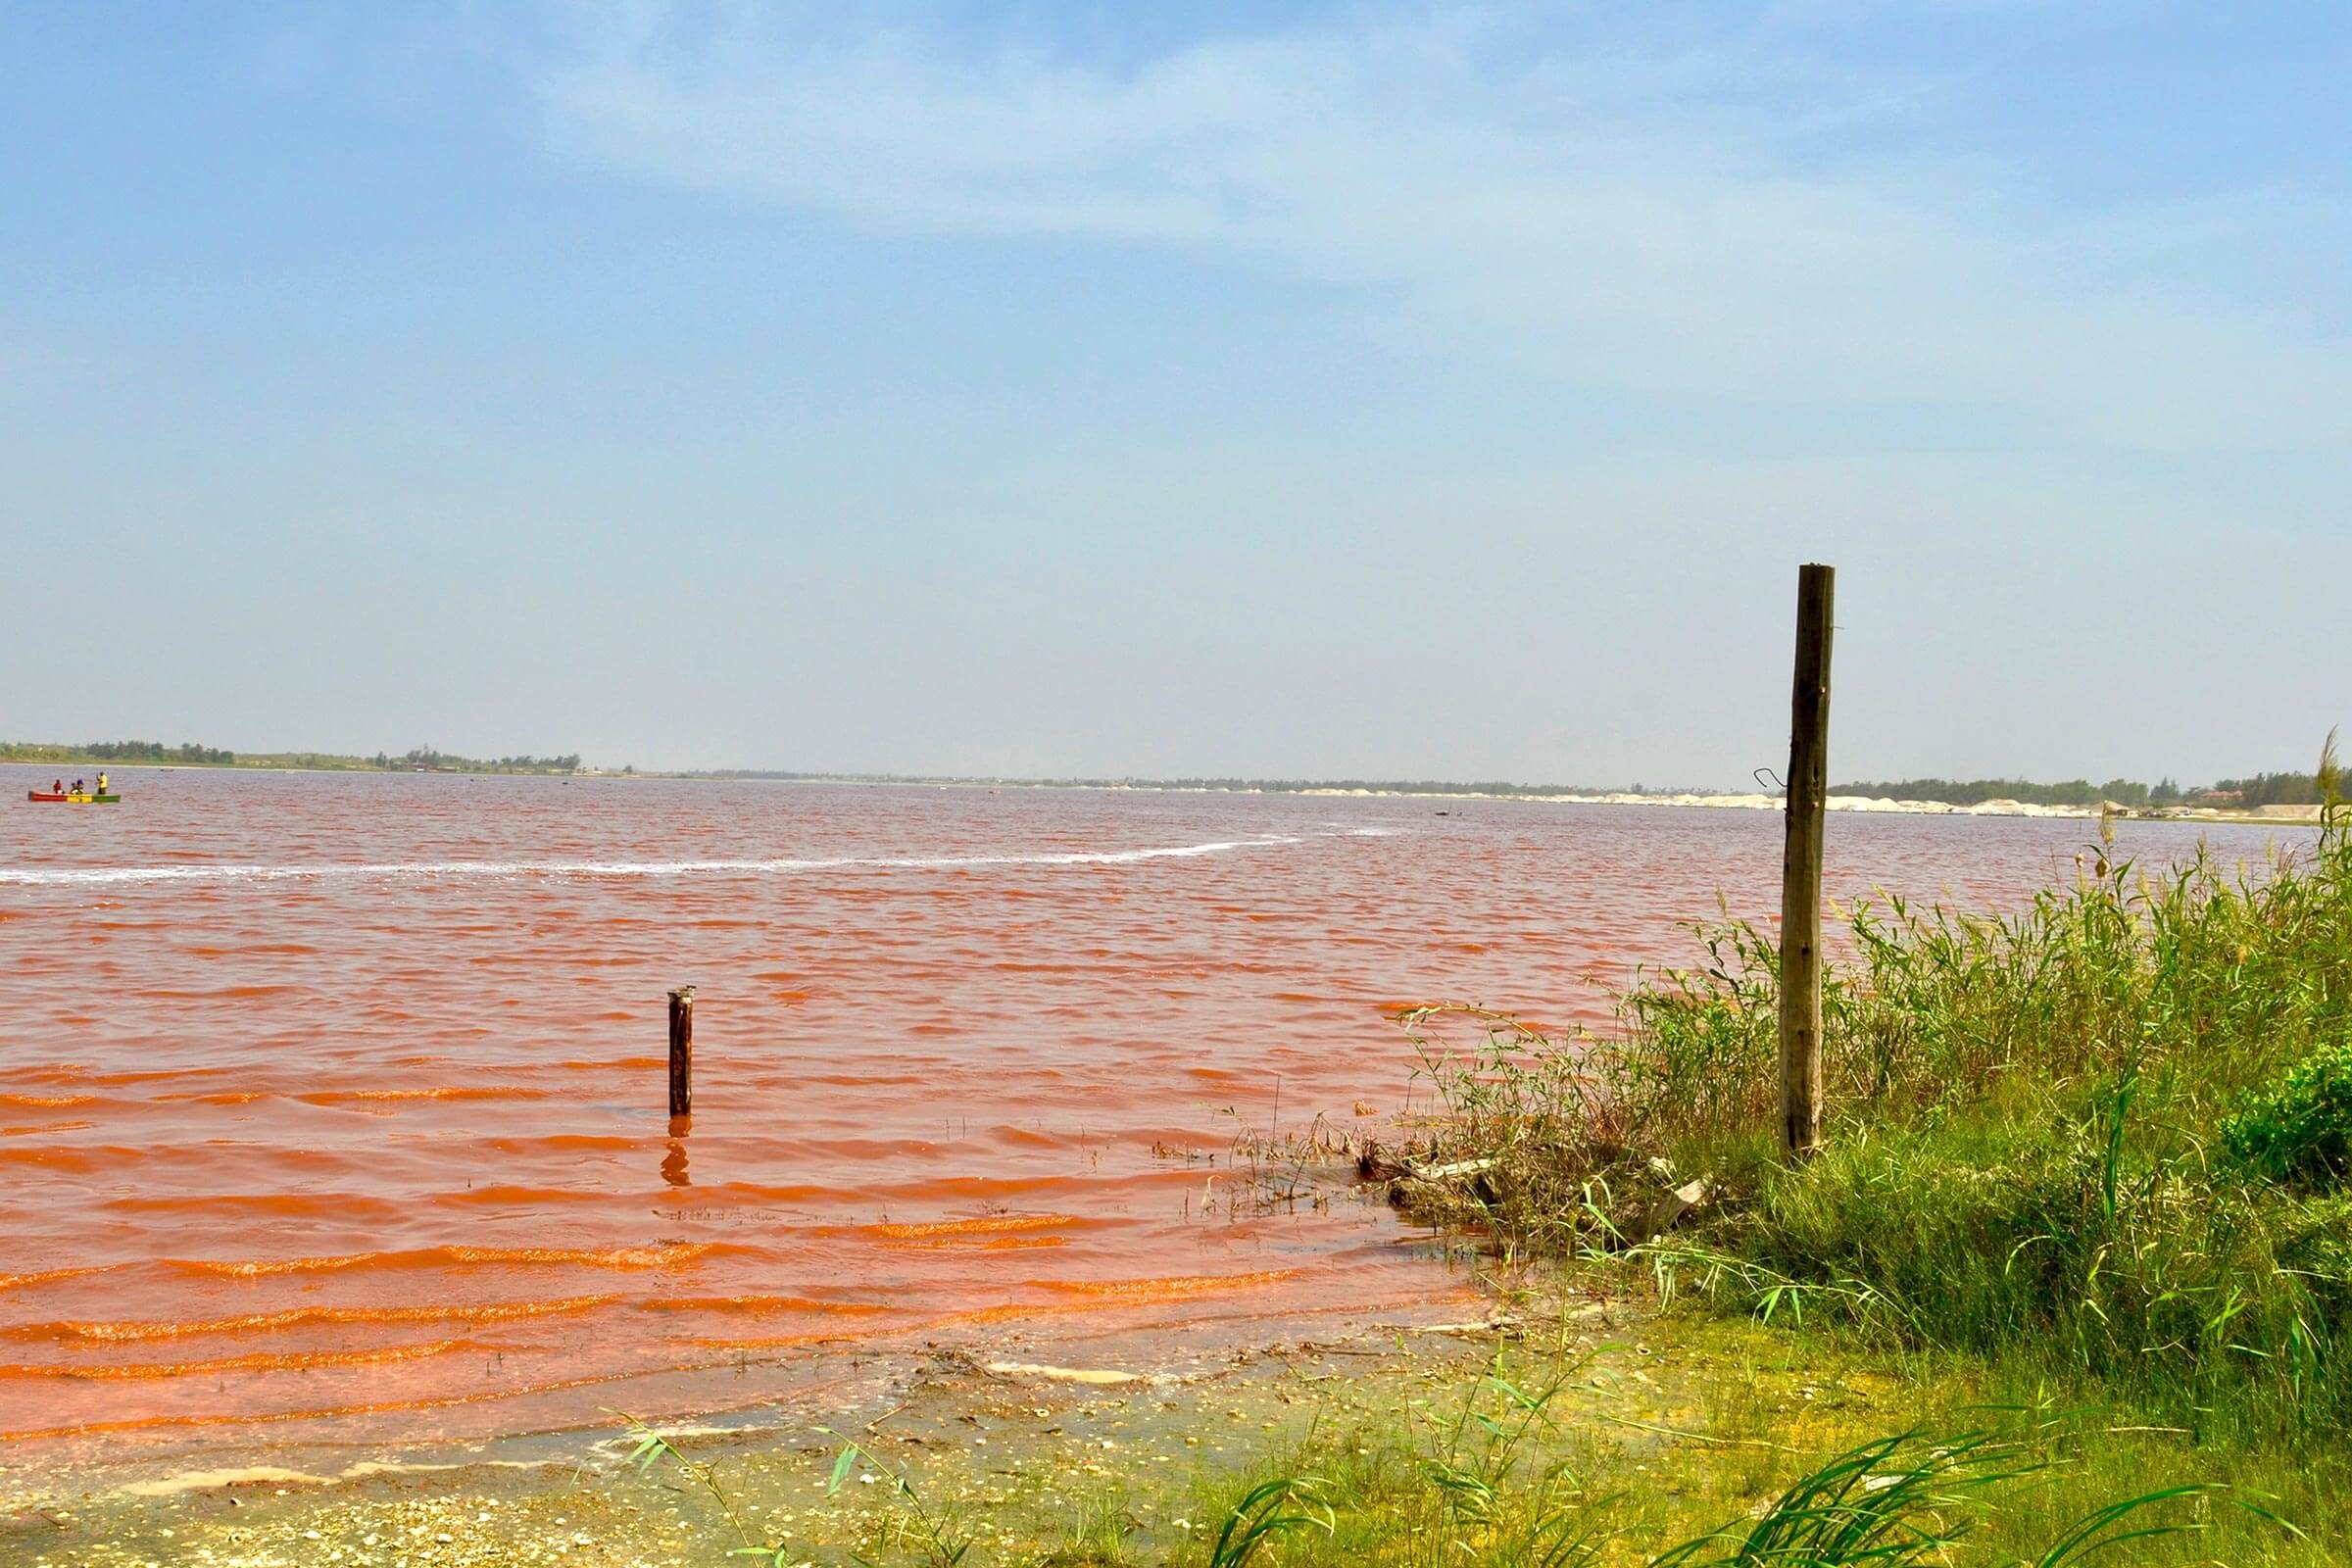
[(1666, 1423), (1161, 1359), (1022, 1441)]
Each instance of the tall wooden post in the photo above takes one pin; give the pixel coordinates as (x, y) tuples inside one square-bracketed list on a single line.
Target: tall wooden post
[(681, 1052), (1800, 873)]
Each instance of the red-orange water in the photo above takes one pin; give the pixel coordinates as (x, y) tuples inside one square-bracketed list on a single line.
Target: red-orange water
[(326, 1096)]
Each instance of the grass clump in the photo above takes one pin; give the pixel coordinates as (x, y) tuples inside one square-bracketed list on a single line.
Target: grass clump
[(1966, 1498), (2301, 1129)]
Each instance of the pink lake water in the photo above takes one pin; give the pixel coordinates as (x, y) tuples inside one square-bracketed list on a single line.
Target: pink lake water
[(336, 1103)]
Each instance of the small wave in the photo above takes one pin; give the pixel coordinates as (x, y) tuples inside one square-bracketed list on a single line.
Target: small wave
[(759, 1305), (304, 1317), (258, 1361), (664, 1255), (345, 1096), (1180, 1288), (48, 1276), (225, 1418), (102, 875), (984, 1225)]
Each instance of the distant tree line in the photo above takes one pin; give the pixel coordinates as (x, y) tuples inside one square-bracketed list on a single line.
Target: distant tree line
[(437, 761), (192, 755), (2272, 789), (118, 752), (2263, 789), (1974, 792)]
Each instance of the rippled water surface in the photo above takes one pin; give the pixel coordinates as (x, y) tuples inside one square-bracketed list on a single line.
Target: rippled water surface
[(330, 1101)]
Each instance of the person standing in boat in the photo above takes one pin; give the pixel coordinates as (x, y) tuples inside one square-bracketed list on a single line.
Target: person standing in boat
[(102, 783)]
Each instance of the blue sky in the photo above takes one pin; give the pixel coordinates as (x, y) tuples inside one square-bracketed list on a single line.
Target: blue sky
[(1340, 389)]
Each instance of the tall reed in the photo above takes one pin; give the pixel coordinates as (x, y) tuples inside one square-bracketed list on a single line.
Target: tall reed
[(2026, 1118)]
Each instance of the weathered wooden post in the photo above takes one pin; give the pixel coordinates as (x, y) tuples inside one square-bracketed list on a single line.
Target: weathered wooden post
[(681, 1052), (1800, 873)]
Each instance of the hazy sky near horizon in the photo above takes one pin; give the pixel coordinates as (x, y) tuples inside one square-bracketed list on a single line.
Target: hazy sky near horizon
[(1331, 390)]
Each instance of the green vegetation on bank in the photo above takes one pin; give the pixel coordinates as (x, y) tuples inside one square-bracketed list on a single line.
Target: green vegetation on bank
[(2102, 1146), (422, 758)]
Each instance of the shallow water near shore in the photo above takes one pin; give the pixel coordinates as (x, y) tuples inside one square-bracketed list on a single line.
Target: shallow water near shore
[(333, 1106)]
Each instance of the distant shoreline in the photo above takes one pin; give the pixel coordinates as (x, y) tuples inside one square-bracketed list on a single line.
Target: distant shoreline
[(2270, 815), (286, 763), (2266, 817)]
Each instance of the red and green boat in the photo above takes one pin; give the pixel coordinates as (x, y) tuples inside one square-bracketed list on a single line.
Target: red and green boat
[(73, 798)]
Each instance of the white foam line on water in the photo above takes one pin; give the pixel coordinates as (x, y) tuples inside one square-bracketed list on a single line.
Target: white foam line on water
[(95, 875)]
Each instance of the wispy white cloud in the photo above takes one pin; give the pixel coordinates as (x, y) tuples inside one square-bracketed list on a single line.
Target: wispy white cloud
[(1672, 209)]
